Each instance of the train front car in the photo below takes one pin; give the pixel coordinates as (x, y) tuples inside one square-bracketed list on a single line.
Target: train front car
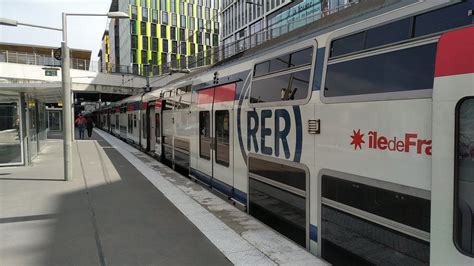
[(452, 205), (378, 157)]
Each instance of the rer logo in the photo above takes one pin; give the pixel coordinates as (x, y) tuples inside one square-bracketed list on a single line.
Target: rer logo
[(410, 142)]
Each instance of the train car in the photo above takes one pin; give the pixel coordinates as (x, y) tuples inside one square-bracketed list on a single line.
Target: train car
[(115, 119), (355, 141)]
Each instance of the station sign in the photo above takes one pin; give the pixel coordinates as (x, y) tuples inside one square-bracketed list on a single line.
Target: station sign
[(51, 72)]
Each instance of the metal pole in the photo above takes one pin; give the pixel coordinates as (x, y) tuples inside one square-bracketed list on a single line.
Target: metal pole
[(67, 115)]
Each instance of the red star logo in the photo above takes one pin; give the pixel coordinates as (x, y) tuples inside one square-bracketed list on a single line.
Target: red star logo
[(357, 139)]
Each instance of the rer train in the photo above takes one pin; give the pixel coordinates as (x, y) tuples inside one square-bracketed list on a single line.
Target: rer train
[(355, 141)]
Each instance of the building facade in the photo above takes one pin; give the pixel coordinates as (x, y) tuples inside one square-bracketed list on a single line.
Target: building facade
[(162, 34), (244, 18), (104, 53)]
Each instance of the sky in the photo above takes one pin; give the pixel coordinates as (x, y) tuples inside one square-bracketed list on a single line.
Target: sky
[(83, 32)]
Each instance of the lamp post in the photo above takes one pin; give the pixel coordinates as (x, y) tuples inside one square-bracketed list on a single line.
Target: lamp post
[(66, 80), (66, 84)]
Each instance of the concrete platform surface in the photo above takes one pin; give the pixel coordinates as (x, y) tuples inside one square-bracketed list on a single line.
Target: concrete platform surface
[(125, 208)]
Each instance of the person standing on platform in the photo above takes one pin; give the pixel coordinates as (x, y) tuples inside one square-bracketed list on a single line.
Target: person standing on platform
[(90, 126), (81, 124)]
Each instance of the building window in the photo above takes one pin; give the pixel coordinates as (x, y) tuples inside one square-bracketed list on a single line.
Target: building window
[(164, 45), (172, 6), (174, 47), (145, 42), (208, 13), (133, 26), (174, 62), (134, 41), (154, 58), (154, 44), (183, 48), (208, 39), (199, 37), (172, 33), (133, 54), (145, 14), (191, 23), (143, 3), (164, 18), (190, 10), (143, 28), (182, 22), (200, 24), (182, 34), (163, 5), (464, 189), (181, 8), (144, 57), (215, 40), (192, 48), (134, 12), (199, 12), (164, 58), (153, 29), (163, 32), (154, 15), (174, 19)]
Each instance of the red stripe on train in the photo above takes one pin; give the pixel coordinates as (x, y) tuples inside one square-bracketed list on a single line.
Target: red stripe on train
[(224, 93), (158, 104), (205, 96), (455, 55)]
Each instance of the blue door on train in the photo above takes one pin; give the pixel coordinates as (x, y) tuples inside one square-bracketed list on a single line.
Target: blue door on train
[(215, 126)]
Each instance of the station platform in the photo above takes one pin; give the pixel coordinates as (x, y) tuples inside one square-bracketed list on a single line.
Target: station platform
[(125, 208)]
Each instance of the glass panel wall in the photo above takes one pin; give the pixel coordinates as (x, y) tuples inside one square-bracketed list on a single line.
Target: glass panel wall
[(10, 131)]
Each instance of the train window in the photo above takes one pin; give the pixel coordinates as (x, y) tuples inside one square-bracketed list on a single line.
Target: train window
[(291, 86), (401, 70), (349, 44), (444, 19), (388, 33), (279, 173), (205, 135), (144, 127), (440, 20), (357, 227), (222, 137), (262, 69), (280, 63), (405, 209), (302, 57), (276, 199), (158, 128), (134, 120), (464, 179), (130, 124)]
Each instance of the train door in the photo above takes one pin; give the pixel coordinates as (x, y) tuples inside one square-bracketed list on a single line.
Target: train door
[(150, 117), (215, 155), (109, 128), (452, 204), (157, 112)]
